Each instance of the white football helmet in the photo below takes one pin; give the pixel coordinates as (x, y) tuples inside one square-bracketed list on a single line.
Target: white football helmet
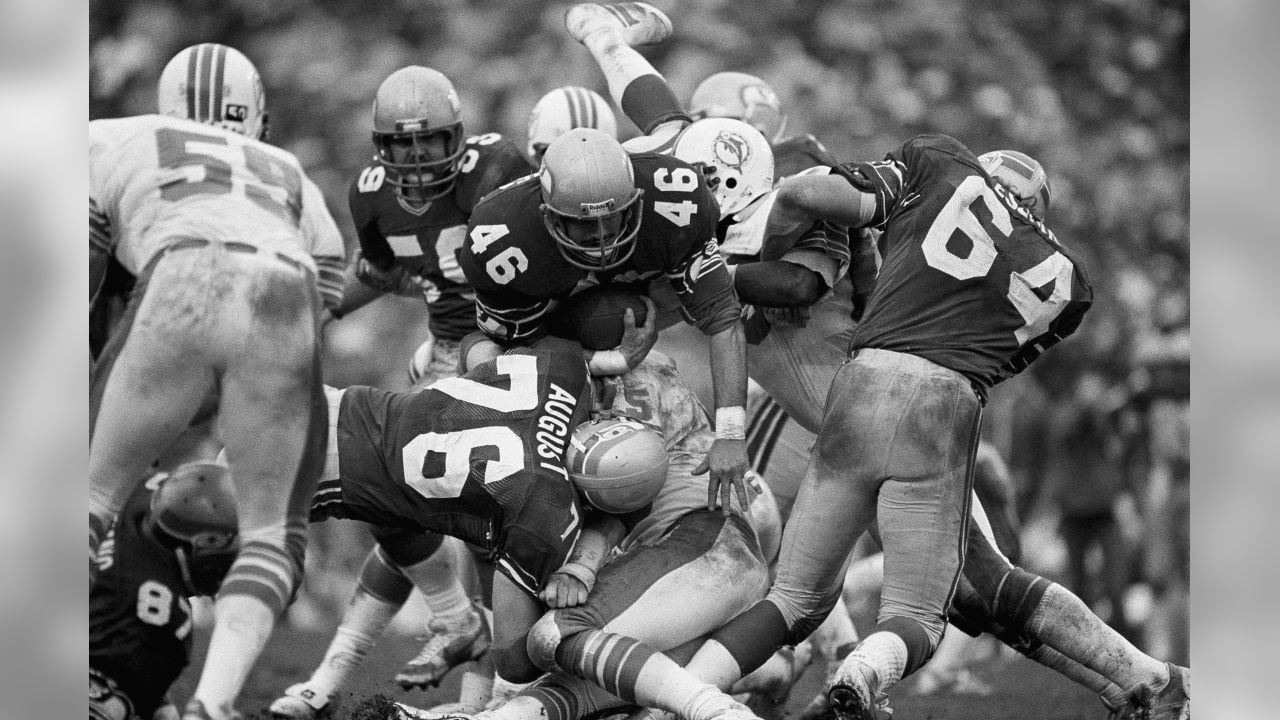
[(740, 96), (618, 465), (216, 85), (735, 157), (1022, 174), (564, 109), (590, 202)]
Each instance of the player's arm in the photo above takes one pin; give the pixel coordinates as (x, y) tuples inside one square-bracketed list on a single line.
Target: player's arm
[(572, 582), (708, 301), (100, 250), (326, 244)]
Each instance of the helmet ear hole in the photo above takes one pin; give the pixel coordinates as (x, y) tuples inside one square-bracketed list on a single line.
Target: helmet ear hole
[(731, 183)]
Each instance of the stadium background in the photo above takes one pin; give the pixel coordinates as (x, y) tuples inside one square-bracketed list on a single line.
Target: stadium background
[(1097, 90)]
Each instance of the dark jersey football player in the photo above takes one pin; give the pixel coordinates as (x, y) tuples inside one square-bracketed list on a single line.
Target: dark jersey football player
[(594, 215), (973, 288), (410, 206), (175, 538)]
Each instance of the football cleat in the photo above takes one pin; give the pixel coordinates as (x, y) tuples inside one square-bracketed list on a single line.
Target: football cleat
[(636, 23), (445, 649), (851, 698), (300, 702)]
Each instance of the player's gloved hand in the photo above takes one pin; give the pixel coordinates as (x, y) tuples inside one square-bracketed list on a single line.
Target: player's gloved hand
[(798, 316), (567, 587), (638, 341), (727, 461), (395, 280)]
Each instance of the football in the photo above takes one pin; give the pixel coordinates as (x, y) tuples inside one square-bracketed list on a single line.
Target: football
[(594, 317), (618, 465)]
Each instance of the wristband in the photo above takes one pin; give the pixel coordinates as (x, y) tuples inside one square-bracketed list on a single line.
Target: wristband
[(579, 571), (731, 423), (608, 362)]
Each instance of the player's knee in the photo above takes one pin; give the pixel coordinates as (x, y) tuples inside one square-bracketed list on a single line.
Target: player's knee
[(544, 640), (1017, 598), (406, 547), (803, 609), (512, 662), (381, 578), (921, 640)]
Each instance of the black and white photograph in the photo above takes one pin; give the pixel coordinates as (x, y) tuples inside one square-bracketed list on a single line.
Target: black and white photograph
[(532, 360)]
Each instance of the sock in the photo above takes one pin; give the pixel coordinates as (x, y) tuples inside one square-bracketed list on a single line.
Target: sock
[(836, 636), (637, 673), (1055, 660), (1066, 624), (364, 621), (435, 577), (714, 664), (880, 658), (379, 595), (240, 632), (476, 687)]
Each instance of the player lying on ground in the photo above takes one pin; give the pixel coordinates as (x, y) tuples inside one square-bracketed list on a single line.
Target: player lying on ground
[(624, 612)]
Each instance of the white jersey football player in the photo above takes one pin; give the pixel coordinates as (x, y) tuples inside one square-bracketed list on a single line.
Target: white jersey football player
[(232, 246)]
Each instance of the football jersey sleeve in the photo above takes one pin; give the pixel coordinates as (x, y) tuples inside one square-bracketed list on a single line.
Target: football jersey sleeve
[(705, 289), (489, 162), (373, 244)]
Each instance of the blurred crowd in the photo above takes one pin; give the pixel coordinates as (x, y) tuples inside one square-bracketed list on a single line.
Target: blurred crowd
[(1096, 433)]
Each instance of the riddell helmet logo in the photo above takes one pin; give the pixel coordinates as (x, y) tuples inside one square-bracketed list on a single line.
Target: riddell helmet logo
[(598, 209), (731, 150)]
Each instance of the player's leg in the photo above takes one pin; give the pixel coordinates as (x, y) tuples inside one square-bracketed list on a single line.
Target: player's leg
[(922, 515), (1051, 625), (146, 388), (273, 421), (709, 561), (609, 32), (456, 632)]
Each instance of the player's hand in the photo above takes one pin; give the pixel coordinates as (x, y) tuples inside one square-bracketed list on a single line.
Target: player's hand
[(563, 591), (798, 316), (727, 461), (638, 341)]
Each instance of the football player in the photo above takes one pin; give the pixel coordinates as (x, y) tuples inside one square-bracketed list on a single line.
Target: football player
[(746, 97), (738, 116), (565, 109), (234, 253), (175, 538), (479, 457), (618, 613), (939, 331), (595, 214), (410, 207)]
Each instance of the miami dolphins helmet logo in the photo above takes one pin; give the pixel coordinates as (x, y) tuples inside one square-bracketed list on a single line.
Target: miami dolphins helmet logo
[(731, 150)]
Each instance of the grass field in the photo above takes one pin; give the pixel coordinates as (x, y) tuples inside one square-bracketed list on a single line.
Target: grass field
[(1022, 689)]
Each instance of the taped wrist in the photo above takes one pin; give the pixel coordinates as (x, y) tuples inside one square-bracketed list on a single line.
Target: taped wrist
[(731, 423)]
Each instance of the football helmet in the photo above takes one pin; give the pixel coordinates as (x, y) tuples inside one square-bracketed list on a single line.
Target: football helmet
[(417, 132), (194, 507), (564, 109), (1022, 174), (734, 157), (590, 203), (742, 97), (216, 85), (617, 465)]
